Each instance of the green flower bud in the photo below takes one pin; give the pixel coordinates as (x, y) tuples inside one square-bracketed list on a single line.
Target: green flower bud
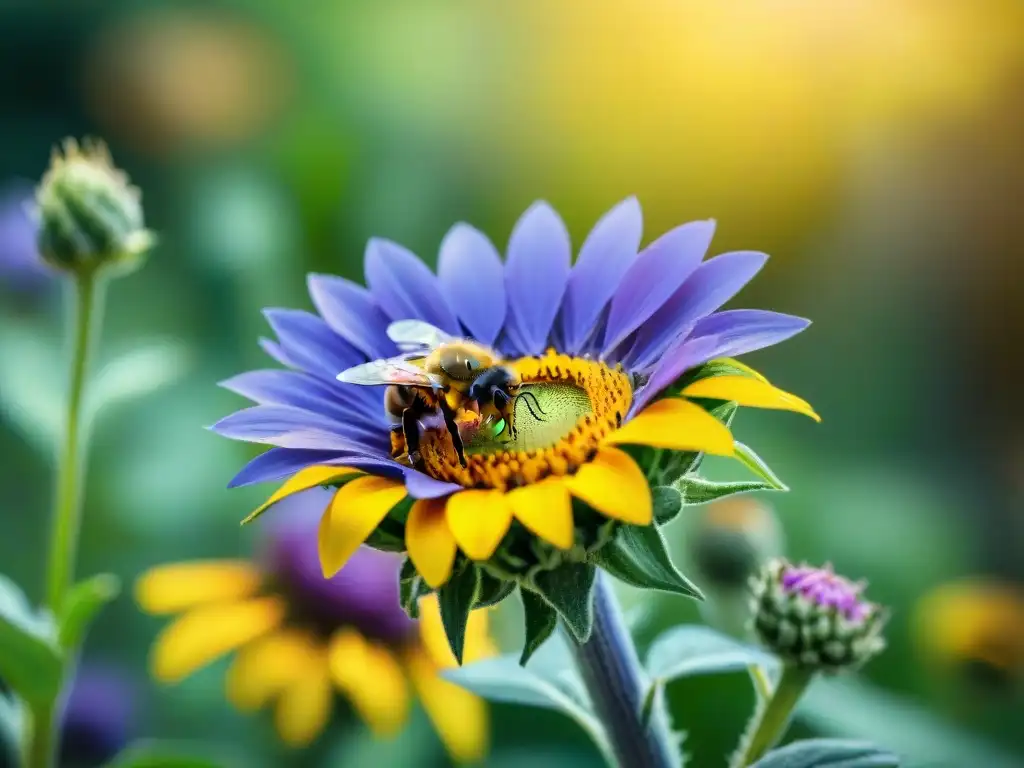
[(731, 540), (89, 215), (814, 618)]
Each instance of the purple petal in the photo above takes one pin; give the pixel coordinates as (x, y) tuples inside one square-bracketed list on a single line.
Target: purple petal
[(362, 405), (276, 351), (656, 274), (607, 253), (723, 334), (351, 312), (277, 463), (404, 287), (711, 285), (310, 344), (421, 486), (289, 427), (738, 331), (536, 272), (472, 279)]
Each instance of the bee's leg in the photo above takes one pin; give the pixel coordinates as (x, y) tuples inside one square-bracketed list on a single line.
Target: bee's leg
[(453, 430), (411, 430), (503, 401)]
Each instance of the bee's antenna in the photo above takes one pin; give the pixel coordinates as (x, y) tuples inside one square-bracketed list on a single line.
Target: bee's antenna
[(533, 413)]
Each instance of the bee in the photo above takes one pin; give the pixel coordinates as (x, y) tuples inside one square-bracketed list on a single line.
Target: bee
[(436, 371)]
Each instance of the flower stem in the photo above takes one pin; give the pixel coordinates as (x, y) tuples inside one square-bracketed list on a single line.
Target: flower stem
[(617, 685), (772, 719), (60, 564)]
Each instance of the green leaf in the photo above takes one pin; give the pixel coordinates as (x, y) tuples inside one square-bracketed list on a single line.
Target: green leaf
[(541, 620), (411, 588), (697, 650), (31, 662), (492, 590), (667, 503), (851, 709), (829, 753), (155, 754), (12, 727), (697, 490), (756, 464), (569, 589), (456, 601), (723, 366), (639, 557), (501, 679), (136, 373), (81, 605)]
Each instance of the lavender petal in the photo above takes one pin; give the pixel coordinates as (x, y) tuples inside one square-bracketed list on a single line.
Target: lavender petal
[(421, 486), (404, 287), (290, 427), (350, 311), (654, 276), (278, 463), (310, 344), (711, 285), (536, 272), (607, 253), (472, 279)]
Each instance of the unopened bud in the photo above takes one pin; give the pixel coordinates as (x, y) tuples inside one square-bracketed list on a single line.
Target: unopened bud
[(89, 215), (814, 618)]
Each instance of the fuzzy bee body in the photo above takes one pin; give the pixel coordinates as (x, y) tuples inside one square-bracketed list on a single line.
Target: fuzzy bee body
[(436, 372)]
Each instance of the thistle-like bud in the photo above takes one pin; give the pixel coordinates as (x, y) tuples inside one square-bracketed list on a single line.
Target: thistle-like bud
[(814, 618), (89, 215)]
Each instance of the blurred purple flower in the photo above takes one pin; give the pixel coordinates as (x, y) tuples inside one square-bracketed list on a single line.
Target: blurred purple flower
[(364, 594), (99, 716), (21, 267)]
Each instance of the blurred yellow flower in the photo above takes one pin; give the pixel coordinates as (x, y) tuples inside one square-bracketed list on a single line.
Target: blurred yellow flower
[(299, 638), (975, 623)]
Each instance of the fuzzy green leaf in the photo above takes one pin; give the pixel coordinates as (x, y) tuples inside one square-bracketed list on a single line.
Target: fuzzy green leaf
[(667, 503), (31, 662), (156, 754), (541, 620), (639, 557), (83, 602), (502, 680), (697, 490), (456, 601), (12, 727), (757, 465), (697, 650), (569, 589), (829, 753), (492, 590)]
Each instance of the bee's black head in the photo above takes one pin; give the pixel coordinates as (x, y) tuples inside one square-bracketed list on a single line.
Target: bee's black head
[(485, 387)]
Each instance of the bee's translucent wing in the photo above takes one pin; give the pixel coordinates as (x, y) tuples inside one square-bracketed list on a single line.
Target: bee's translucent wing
[(412, 335), (394, 370)]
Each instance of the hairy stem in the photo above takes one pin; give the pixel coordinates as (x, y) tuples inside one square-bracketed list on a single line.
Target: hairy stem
[(618, 688), (772, 716)]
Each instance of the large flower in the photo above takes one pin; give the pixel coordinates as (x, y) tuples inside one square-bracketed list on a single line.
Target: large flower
[(612, 348), (299, 637)]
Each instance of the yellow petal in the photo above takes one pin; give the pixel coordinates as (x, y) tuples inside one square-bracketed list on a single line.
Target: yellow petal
[(305, 706), (372, 679), (176, 587), (302, 481), (429, 541), (753, 393), (545, 508), (265, 667), (356, 509), (478, 520), (461, 718), (677, 425), (204, 634), (615, 486), (478, 643)]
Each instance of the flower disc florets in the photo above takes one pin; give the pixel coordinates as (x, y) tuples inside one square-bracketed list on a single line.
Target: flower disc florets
[(89, 215), (814, 618)]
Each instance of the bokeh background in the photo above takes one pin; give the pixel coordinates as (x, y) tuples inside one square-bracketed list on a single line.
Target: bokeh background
[(875, 148)]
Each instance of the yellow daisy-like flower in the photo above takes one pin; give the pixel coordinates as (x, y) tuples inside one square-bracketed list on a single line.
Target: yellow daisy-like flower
[(606, 365), (299, 639), (974, 624)]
